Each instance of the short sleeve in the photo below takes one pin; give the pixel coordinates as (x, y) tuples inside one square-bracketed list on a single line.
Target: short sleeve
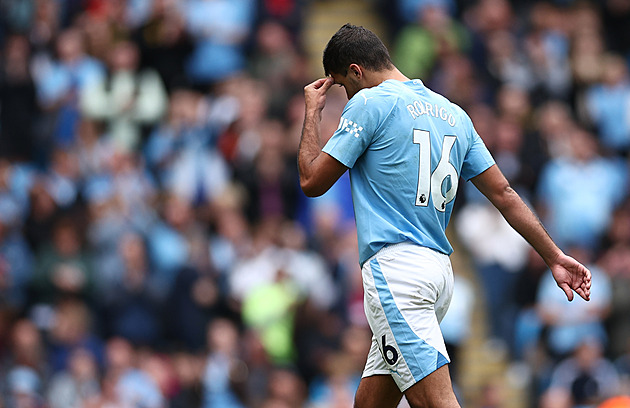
[(478, 159), (357, 126)]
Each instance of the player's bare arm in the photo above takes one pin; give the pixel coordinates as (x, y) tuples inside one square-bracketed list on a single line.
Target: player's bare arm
[(569, 274), (318, 170)]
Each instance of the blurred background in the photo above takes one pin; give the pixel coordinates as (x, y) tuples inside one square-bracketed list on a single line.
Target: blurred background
[(155, 248)]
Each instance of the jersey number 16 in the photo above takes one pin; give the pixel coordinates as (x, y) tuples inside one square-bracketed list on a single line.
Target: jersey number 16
[(434, 183)]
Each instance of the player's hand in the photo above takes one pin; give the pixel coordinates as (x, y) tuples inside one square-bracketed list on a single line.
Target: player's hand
[(570, 275), (315, 94)]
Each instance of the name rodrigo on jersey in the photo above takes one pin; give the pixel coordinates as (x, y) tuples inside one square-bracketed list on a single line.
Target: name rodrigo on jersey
[(419, 108)]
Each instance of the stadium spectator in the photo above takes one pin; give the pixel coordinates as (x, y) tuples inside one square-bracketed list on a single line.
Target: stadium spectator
[(18, 101), (76, 385), (608, 101), (127, 99), (61, 81), (435, 34), (586, 377), (592, 203), (219, 29)]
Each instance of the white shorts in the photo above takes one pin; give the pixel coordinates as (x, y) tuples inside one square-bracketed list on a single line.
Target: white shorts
[(407, 291)]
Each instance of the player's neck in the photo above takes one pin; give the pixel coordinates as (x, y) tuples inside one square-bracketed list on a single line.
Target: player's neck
[(377, 77)]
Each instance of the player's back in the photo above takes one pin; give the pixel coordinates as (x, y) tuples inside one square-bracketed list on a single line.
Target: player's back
[(411, 146)]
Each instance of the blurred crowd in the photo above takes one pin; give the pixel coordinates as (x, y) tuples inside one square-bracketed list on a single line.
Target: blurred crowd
[(155, 248)]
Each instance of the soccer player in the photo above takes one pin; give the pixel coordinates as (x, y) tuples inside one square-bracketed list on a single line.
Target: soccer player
[(407, 147)]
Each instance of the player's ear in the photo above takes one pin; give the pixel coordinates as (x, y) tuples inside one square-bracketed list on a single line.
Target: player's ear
[(356, 71)]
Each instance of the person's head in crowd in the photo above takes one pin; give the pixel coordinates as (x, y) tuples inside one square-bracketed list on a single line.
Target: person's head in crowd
[(270, 168), (434, 17), (587, 48), (553, 119), (99, 37), (64, 163), (70, 46), (124, 57), (229, 220), (509, 136), (16, 54), (82, 365), (88, 132), (545, 16), (253, 97), (585, 16), (491, 15), (66, 238), (614, 70), (266, 233), (188, 370), (584, 146), (42, 204), (619, 230), (273, 38), (223, 337), (556, 398), (120, 356), (161, 370), (286, 385), (554, 123), (588, 353), (72, 323), (162, 8), (133, 252), (273, 136), (178, 212), (493, 394), (26, 344), (484, 119), (41, 215), (457, 80), (293, 236), (514, 104), (502, 47), (184, 108), (45, 22)]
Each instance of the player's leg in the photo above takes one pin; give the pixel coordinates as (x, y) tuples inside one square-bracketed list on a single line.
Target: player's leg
[(377, 391), (433, 391)]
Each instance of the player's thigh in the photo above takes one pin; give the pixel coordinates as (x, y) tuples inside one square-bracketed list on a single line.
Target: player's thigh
[(433, 391), (377, 391)]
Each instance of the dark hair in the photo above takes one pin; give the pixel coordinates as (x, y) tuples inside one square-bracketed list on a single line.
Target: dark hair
[(355, 45)]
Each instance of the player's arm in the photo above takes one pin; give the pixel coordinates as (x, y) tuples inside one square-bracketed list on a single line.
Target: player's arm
[(318, 170), (568, 273)]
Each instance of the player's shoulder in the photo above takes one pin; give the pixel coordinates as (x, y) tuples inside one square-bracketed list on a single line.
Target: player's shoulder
[(373, 98)]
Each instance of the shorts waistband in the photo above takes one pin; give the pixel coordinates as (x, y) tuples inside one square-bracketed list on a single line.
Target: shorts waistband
[(393, 247)]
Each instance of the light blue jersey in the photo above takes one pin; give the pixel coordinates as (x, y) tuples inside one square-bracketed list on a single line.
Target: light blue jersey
[(406, 147)]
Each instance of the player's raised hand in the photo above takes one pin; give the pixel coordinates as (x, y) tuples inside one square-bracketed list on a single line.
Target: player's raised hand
[(570, 275), (315, 94)]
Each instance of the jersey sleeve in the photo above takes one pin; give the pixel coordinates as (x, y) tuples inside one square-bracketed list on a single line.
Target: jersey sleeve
[(478, 159), (357, 127)]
